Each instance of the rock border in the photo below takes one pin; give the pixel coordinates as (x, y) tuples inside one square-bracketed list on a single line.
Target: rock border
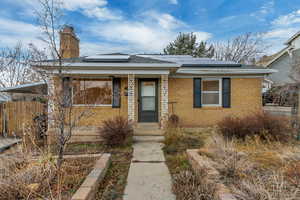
[(88, 188), (197, 161)]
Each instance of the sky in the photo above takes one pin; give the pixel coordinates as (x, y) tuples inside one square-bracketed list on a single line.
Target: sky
[(147, 26)]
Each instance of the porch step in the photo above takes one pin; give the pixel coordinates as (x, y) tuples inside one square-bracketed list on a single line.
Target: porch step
[(148, 129), (149, 126), (148, 138)]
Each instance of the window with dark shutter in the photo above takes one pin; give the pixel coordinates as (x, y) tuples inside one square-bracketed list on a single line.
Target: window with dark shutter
[(197, 93), (226, 92), (116, 103)]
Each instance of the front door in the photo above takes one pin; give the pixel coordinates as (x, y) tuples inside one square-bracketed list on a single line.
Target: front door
[(148, 100)]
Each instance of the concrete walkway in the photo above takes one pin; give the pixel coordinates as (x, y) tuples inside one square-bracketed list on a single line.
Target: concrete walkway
[(149, 177)]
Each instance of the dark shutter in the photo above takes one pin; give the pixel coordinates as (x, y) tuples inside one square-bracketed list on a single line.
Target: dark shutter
[(226, 93), (67, 91), (116, 102), (197, 93)]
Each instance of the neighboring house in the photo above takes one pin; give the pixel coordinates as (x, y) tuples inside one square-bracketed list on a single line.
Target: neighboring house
[(283, 61), (26, 92), (4, 98), (266, 85), (149, 88)]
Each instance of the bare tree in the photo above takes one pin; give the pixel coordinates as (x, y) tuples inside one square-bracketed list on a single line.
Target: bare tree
[(15, 66), (245, 48), (61, 116)]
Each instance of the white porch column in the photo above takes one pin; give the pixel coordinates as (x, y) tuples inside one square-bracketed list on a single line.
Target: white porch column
[(131, 97), (164, 99), (51, 96)]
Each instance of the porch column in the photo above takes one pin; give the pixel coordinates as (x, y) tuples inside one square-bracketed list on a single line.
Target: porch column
[(131, 97), (51, 96), (164, 100)]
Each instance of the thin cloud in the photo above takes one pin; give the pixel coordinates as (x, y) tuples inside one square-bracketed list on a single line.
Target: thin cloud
[(289, 19), (175, 2)]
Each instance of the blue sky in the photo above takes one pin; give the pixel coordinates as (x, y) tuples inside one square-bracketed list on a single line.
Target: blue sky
[(147, 26)]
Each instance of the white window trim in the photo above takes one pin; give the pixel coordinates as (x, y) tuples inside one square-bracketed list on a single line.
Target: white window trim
[(94, 105), (212, 92)]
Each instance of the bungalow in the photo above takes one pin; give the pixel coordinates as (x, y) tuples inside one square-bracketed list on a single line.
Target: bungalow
[(149, 88)]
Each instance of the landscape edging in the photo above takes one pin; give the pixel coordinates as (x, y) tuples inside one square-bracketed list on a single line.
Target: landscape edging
[(197, 161), (88, 188)]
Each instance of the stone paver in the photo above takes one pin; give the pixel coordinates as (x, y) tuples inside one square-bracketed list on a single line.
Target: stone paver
[(149, 177)]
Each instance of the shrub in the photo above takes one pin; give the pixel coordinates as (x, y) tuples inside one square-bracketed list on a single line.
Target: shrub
[(116, 131), (292, 173), (267, 186), (173, 121), (264, 125), (191, 186)]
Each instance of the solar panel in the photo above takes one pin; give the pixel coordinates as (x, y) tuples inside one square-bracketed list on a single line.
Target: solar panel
[(112, 58)]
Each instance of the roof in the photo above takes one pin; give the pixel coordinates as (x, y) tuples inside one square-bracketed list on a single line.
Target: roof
[(145, 64), (292, 38), (278, 55), (31, 88), (187, 60), (112, 58)]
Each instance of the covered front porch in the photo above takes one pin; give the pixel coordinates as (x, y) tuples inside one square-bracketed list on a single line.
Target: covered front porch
[(148, 98)]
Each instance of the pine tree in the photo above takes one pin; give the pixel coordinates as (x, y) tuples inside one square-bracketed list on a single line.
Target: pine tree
[(186, 44)]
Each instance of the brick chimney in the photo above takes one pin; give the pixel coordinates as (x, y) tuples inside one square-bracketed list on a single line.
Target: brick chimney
[(69, 43)]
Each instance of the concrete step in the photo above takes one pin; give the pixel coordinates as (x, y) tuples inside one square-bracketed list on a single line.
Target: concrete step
[(148, 132), (147, 126), (148, 138)]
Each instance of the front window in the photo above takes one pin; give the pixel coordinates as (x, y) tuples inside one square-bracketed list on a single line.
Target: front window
[(92, 91), (211, 92)]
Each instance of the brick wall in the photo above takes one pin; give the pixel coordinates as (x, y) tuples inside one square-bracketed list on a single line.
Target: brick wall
[(245, 99)]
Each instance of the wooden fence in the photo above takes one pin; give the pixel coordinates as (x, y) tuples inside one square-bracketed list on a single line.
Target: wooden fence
[(17, 117)]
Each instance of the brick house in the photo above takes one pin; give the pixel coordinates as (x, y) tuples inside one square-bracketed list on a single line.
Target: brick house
[(149, 88)]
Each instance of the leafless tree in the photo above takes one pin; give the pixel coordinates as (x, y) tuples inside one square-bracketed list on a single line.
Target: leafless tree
[(62, 118), (242, 49), (14, 66)]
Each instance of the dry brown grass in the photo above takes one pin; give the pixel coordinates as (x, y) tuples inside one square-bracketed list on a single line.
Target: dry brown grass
[(190, 186), (257, 169), (24, 176)]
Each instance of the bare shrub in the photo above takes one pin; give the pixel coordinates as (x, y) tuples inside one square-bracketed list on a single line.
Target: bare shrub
[(292, 173), (231, 163), (190, 186), (24, 179), (173, 121), (116, 131), (267, 186), (264, 125)]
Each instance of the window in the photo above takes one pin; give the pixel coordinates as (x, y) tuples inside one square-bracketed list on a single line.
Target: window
[(92, 91), (211, 92)]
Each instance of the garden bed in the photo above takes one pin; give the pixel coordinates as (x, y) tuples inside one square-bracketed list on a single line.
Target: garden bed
[(113, 185), (251, 169), (36, 178)]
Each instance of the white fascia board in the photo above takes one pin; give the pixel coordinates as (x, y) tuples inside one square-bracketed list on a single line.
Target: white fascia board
[(113, 72), (283, 51), (225, 71), (116, 65)]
